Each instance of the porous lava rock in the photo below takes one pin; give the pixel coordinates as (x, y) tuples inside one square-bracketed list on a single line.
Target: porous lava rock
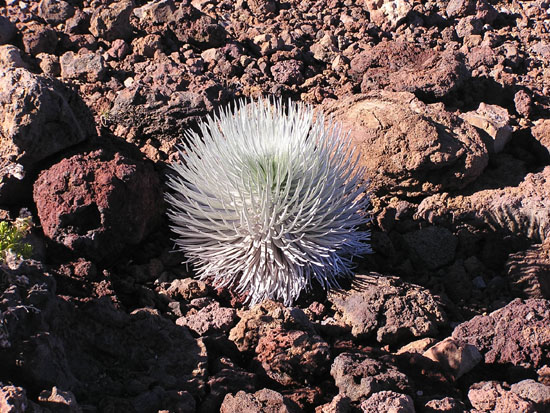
[(112, 21), (521, 210), (208, 320), (517, 334), (256, 322), (39, 117), (405, 67), (291, 357), (99, 202), (409, 148), (388, 308), (388, 401), (263, 401), (359, 376)]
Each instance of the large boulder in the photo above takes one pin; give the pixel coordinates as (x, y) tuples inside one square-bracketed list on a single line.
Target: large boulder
[(39, 117), (517, 334), (406, 67), (409, 148), (98, 202)]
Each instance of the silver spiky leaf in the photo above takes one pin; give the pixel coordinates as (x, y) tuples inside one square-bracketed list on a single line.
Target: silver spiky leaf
[(268, 198)]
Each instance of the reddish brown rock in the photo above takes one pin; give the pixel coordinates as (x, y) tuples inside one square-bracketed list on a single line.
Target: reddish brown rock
[(98, 203), (388, 401), (541, 132), (359, 376), (409, 148), (491, 396), (110, 22), (191, 26), (263, 401), (523, 103), (288, 72), (516, 334), (456, 357), (445, 405), (209, 320), (38, 38), (260, 319), (10, 57), (521, 210), (38, 118), (339, 404), (494, 121), (262, 7), (55, 11), (389, 308), (405, 67), (291, 357)]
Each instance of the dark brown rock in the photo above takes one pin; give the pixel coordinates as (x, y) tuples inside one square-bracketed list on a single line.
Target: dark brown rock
[(359, 376), (288, 72), (191, 26), (386, 306), (262, 8), (38, 38), (291, 357), (541, 132), (516, 334), (7, 30), (38, 118), (431, 247), (263, 401), (98, 203), (523, 103), (521, 210), (113, 21), (256, 322), (55, 11), (405, 67), (409, 148)]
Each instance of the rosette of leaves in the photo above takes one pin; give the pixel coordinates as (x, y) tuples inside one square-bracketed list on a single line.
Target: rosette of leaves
[(11, 238), (268, 198)]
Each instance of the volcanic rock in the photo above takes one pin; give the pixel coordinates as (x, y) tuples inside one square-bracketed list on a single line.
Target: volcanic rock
[(38, 118), (409, 148), (99, 202), (388, 308), (517, 334)]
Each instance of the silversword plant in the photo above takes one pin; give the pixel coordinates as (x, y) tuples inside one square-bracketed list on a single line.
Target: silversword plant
[(268, 198)]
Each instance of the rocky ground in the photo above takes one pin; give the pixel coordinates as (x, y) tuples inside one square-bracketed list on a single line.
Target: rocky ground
[(448, 102)]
